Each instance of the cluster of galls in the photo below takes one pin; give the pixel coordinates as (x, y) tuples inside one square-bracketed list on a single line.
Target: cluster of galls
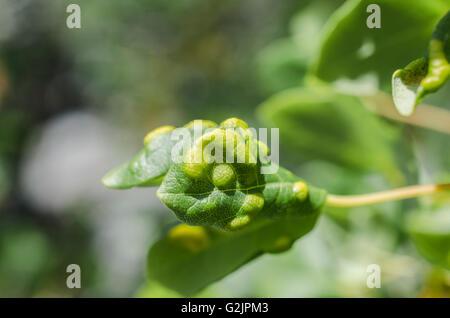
[(230, 157)]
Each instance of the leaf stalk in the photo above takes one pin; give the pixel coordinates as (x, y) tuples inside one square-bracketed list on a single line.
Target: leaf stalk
[(384, 196)]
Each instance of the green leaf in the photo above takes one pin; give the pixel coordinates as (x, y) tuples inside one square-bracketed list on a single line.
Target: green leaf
[(200, 202), (261, 206), (430, 232), (424, 75), (284, 62), (5, 179), (280, 66), (189, 258), (227, 187), (151, 164), (306, 26), (322, 124), (224, 179), (351, 52), (155, 290)]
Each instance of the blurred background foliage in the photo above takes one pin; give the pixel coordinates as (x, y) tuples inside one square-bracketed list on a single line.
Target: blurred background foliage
[(74, 103)]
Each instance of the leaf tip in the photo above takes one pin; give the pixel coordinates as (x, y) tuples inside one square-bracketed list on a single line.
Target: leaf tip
[(114, 179), (110, 181)]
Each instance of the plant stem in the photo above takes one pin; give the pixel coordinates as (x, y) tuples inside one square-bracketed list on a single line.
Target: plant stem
[(426, 116), (383, 196)]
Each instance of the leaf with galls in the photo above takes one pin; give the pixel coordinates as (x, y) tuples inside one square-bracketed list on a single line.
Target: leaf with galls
[(231, 210)]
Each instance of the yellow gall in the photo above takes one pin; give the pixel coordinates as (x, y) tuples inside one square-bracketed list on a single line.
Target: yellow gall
[(192, 238), (157, 132), (234, 123), (223, 176), (300, 190), (239, 222), (253, 203)]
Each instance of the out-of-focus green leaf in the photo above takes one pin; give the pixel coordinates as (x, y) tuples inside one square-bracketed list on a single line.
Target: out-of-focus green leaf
[(280, 66), (430, 232), (307, 25), (5, 182), (155, 290), (284, 62), (351, 52), (189, 258), (424, 75), (322, 124), (13, 124), (25, 258)]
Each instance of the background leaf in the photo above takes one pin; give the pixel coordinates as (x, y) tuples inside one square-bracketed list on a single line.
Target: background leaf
[(350, 50), (284, 63), (280, 65), (322, 124), (430, 232), (187, 271)]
